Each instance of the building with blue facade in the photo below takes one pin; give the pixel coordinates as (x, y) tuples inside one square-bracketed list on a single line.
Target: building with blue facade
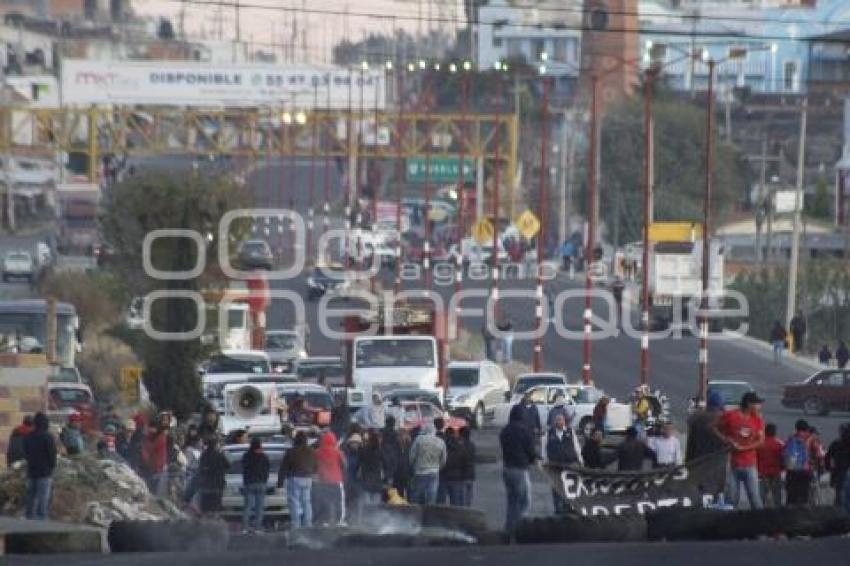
[(786, 48)]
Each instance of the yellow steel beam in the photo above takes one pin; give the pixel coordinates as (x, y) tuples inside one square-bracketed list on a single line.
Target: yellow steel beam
[(251, 133)]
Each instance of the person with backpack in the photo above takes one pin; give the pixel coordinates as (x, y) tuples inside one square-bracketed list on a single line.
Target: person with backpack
[(798, 464)]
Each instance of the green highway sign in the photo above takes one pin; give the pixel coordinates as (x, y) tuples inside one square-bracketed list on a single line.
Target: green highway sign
[(443, 170)]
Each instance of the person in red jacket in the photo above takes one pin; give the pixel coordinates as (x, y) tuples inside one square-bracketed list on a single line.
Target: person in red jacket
[(15, 450), (770, 467), (155, 459), (330, 496)]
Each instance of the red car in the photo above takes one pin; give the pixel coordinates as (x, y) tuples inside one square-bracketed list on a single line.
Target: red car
[(420, 413), (63, 399), (827, 390)]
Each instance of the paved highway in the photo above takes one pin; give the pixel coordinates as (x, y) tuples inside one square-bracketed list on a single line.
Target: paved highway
[(615, 360)]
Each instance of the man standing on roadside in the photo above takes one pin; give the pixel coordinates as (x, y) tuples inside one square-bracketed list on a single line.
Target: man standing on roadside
[(297, 469), (427, 456), (798, 331), (562, 449), (842, 355), (40, 454), (743, 430), (518, 455), (770, 467), (255, 476), (797, 457)]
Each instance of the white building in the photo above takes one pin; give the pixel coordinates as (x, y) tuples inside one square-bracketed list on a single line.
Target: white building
[(545, 32)]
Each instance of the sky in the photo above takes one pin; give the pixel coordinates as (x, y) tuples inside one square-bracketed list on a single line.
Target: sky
[(326, 25)]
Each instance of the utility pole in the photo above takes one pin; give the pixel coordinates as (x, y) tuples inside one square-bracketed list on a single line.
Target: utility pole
[(542, 205), (790, 303), (706, 240), (590, 244), (762, 198), (7, 158), (648, 181), (563, 201)]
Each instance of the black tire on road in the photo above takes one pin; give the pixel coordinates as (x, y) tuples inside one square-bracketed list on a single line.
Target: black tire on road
[(464, 519), (814, 406), (577, 528), (478, 416), (168, 536), (711, 524)]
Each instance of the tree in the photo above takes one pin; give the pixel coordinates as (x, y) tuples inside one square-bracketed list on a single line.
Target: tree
[(823, 296), (156, 201), (679, 167), (819, 206)]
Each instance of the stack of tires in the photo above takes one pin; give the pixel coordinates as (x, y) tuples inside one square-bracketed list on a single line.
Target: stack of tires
[(712, 524), (167, 536)]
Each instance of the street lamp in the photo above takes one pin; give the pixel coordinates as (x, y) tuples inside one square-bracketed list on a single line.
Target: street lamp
[(737, 53)]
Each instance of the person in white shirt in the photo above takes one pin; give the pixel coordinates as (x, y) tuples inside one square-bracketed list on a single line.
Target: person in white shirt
[(668, 450)]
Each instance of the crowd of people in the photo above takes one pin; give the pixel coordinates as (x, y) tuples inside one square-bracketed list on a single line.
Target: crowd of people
[(361, 460), (769, 470), (525, 442)]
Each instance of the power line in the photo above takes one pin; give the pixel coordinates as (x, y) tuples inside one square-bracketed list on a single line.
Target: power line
[(686, 16), (725, 34)]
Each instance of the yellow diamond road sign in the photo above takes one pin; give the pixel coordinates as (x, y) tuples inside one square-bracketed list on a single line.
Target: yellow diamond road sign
[(527, 224), (482, 231), (130, 377)]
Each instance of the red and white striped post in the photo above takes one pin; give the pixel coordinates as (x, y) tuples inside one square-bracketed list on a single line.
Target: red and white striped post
[(542, 204), (590, 244), (461, 225)]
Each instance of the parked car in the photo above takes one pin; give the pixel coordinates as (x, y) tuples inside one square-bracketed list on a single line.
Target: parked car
[(327, 280), (419, 413), (526, 381), (475, 388), (18, 265), (580, 399), (256, 254), (63, 399), (275, 504), (730, 390), (284, 347), (825, 391)]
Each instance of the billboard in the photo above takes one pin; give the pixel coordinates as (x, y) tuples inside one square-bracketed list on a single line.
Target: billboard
[(197, 84)]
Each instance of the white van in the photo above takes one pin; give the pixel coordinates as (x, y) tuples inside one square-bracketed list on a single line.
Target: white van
[(475, 389)]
